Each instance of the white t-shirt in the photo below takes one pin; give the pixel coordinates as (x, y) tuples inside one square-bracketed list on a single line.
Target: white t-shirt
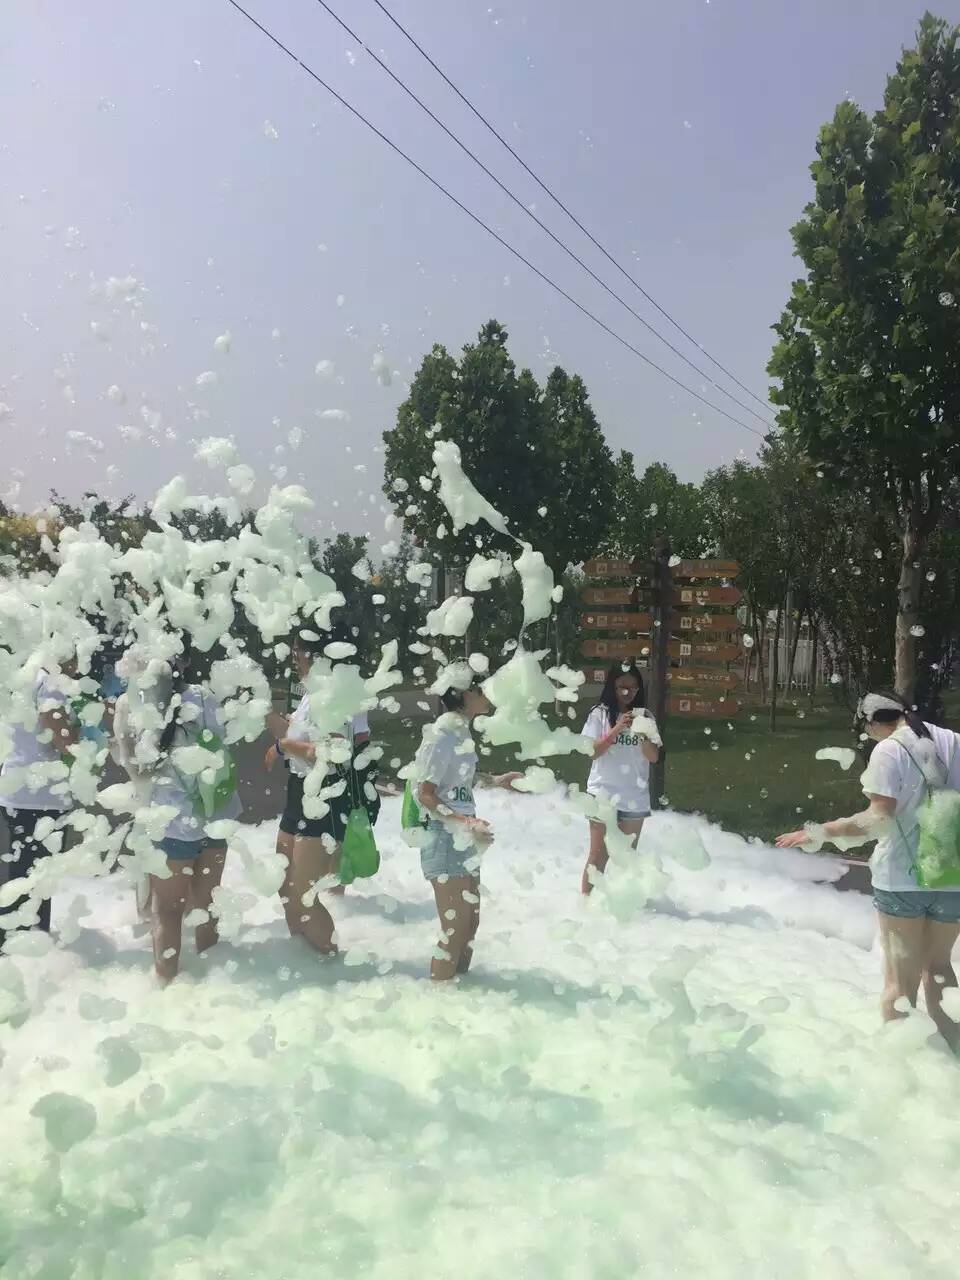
[(301, 730), (448, 758), (891, 772), (34, 774), (621, 774), (173, 788)]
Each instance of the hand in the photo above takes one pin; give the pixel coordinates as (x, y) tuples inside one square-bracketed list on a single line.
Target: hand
[(792, 839), (480, 830), (295, 747), (271, 757), (506, 780), (644, 726), (623, 725)]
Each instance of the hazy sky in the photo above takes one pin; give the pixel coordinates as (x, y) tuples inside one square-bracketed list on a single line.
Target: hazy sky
[(170, 142)]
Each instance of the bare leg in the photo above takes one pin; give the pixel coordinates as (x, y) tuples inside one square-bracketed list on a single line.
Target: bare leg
[(938, 973), (902, 942), (596, 858), (293, 912), (466, 955), (207, 874), (310, 862), (338, 890), (632, 828), (458, 925), (168, 900)]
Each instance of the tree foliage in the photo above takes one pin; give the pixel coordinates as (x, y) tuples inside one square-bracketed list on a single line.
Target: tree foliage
[(538, 456), (869, 343), (652, 504)]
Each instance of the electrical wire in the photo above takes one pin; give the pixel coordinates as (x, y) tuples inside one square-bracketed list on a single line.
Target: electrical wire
[(560, 204), (542, 225), (354, 111)]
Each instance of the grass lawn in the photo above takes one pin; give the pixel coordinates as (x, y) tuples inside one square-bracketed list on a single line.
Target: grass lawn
[(744, 777)]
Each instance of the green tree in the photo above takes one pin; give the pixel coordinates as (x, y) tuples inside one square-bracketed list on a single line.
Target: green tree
[(359, 616), (539, 457), (650, 505), (578, 482), (869, 340)]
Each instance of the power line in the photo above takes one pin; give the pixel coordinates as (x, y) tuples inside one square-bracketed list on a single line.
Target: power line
[(560, 204), (542, 225), (480, 223)]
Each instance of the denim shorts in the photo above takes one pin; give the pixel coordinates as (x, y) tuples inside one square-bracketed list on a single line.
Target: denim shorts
[(439, 857), (913, 904), (624, 815), (184, 850)]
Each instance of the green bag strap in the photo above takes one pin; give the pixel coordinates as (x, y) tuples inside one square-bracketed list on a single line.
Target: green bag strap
[(929, 789)]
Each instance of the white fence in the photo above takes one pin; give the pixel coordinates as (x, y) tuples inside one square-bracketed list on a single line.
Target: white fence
[(811, 665)]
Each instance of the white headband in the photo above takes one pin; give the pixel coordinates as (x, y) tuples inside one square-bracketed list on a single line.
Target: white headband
[(874, 702)]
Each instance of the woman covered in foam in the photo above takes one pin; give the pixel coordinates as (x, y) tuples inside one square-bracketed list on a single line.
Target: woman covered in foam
[(919, 925)]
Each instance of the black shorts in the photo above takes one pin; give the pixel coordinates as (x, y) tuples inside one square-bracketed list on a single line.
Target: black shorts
[(333, 823)]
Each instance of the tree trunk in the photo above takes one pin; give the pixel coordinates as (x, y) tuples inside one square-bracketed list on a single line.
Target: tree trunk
[(908, 613), (814, 659), (775, 668), (761, 649), (922, 507)]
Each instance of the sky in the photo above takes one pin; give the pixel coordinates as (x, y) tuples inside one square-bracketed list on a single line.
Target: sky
[(167, 176)]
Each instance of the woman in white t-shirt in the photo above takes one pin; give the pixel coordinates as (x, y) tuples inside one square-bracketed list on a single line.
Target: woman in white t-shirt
[(35, 779), (151, 725), (455, 839), (310, 846), (918, 926), (625, 744)]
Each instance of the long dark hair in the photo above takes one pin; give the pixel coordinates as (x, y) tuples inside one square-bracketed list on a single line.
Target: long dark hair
[(179, 679), (608, 697), (887, 715)]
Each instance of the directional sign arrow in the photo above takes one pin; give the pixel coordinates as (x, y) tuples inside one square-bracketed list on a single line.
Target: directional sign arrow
[(631, 622), (705, 569), (683, 676), (698, 621), (608, 595), (615, 648), (699, 650), (682, 705), (609, 568), (707, 595)]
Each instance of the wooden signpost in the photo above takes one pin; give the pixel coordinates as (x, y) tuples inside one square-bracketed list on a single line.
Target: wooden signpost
[(678, 621)]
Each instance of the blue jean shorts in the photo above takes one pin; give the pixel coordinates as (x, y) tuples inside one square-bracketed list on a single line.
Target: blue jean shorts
[(914, 904), (184, 850), (439, 857)]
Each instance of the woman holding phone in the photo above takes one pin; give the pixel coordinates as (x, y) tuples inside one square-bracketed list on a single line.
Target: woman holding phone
[(625, 744)]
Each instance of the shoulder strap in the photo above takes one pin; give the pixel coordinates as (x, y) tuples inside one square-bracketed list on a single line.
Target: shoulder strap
[(926, 782)]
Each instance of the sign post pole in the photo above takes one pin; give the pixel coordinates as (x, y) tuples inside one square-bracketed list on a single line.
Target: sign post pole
[(662, 582)]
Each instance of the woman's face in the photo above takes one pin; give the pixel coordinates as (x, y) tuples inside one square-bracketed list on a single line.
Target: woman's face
[(626, 688), (476, 703), (878, 731)]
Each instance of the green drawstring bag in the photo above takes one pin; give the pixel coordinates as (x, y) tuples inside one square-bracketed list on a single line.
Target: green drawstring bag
[(410, 815), (937, 864), (210, 797), (359, 856), (938, 853)]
